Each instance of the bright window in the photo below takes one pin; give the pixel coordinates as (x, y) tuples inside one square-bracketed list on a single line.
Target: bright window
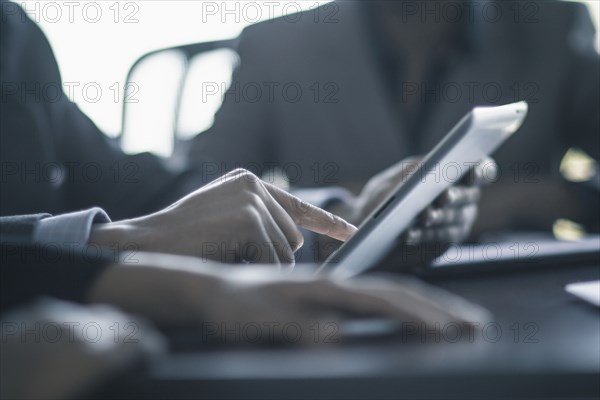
[(96, 42)]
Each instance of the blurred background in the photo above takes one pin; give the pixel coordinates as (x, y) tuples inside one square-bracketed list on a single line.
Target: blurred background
[(96, 43)]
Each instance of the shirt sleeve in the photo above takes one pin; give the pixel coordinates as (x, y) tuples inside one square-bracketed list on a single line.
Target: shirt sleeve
[(69, 228)]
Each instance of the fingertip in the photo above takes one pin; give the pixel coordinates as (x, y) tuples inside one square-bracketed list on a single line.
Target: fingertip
[(295, 246), (346, 231), (351, 229)]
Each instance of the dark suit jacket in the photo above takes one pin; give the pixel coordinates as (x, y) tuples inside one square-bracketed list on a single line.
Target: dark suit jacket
[(344, 128), (29, 270), (52, 157)]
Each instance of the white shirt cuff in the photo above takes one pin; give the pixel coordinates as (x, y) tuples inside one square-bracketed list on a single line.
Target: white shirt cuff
[(69, 228)]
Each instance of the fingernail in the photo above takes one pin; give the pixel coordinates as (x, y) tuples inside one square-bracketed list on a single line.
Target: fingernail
[(352, 229)]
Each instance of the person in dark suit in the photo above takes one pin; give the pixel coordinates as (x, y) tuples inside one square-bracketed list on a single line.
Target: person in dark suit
[(360, 85)]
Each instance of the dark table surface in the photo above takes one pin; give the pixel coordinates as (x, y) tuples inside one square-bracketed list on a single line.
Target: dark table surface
[(544, 343)]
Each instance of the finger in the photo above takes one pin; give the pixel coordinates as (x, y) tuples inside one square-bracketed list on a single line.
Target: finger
[(276, 245), (485, 173), (469, 215), (282, 219), (261, 250), (428, 303), (238, 173), (326, 296), (373, 297), (437, 217), (260, 195), (458, 196), (310, 217), (413, 236), (432, 217)]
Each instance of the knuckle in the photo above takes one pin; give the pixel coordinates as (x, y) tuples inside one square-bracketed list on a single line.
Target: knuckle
[(245, 177), (254, 200), (239, 171), (251, 214), (250, 177), (303, 206), (236, 173)]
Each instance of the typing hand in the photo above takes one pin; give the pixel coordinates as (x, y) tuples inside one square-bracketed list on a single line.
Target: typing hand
[(236, 218), (176, 291)]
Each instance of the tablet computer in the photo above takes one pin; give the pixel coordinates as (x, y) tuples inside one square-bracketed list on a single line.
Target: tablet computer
[(473, 139)]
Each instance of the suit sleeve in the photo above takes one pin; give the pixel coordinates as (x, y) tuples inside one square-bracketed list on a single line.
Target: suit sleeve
[(33, 265)]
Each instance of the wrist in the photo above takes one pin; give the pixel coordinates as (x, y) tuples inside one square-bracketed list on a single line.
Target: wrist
[(112, 233)]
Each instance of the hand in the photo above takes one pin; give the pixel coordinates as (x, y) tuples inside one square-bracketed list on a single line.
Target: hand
[(178, 291), (448, 219), (235, 218)]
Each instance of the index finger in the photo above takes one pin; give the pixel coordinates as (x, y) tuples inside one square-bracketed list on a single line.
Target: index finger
[(311, 217)]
